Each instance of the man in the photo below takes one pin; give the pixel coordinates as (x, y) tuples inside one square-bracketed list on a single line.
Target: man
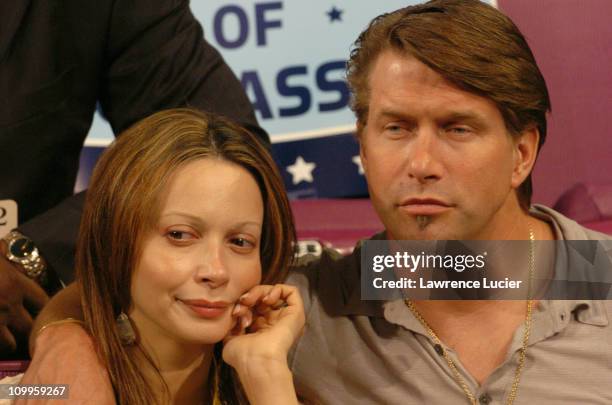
[(451, 112), (56, 62)]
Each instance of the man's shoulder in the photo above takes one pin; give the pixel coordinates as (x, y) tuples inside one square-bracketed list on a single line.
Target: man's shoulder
[(571, 229), (332, 280), (332, 261), (312, 269)]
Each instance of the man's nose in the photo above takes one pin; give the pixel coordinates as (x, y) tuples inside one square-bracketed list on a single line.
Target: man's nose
[(423, 162), (212, 267)]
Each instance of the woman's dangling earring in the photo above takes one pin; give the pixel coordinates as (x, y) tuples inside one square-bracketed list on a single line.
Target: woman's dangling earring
[(126, 331)]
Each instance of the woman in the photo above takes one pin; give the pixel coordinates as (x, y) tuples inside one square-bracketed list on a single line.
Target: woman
[(186, 213)]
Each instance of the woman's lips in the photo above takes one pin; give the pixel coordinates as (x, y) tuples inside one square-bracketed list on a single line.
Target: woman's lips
[(206, 309)]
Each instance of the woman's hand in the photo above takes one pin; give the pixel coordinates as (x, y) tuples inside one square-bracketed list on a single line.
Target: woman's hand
[(270, 320)]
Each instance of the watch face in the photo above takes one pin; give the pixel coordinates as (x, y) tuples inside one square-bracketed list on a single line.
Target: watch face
[(22, 248)]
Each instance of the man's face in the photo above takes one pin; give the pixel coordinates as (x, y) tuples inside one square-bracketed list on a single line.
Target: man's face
[(439, 161)]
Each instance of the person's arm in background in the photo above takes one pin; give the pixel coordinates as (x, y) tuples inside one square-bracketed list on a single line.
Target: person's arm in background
[(21, 298), (157, 58), (69, 345), (65, 304)]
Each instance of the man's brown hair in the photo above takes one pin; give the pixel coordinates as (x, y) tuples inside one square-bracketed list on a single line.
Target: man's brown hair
[(471, 44)]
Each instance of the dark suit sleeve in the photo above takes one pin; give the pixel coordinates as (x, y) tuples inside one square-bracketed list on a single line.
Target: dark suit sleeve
[(55, 233), (156, 58)]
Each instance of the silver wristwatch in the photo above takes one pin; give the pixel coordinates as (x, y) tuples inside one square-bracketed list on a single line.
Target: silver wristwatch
[(21, 250)]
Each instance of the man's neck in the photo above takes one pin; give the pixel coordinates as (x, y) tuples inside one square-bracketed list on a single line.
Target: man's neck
[(460, 311), (482, 331)]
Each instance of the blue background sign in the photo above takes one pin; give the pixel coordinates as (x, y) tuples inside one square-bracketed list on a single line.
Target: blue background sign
[(290, 58)]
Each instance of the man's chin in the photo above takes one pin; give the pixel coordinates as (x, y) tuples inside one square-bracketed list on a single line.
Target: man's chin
[(423, 228)]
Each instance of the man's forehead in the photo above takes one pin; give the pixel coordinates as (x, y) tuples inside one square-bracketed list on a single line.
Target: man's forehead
[(404, 65), (400, 85)]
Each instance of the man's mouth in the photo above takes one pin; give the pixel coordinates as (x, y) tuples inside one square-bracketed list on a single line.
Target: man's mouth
[(424, 206)]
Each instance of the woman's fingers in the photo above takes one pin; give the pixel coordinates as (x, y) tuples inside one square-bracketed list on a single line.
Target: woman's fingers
[(240, 310), (265, 306), (282, 305), (283, 295), (246, 320), (273, 296), (243, 321), (267, 296), (271, 318), (254, 295)]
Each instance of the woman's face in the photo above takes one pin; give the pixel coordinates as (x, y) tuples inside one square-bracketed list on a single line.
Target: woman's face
[(202, 255)]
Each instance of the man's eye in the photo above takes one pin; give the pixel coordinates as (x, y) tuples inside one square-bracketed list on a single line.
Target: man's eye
[(395, 131), (459, 130), (393, 128)]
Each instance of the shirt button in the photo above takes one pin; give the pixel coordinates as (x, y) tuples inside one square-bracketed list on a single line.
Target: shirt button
[(438, 348), (485, 399)]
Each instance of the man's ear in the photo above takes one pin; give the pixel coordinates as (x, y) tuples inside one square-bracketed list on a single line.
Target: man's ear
[(525, 153), (362, 152)]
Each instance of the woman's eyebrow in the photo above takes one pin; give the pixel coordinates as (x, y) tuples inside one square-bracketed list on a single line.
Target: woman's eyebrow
[(200, 221), (248, 223), (191, 217)]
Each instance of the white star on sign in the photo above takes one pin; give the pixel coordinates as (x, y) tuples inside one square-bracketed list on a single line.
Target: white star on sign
[(357, 160), (301, 170)]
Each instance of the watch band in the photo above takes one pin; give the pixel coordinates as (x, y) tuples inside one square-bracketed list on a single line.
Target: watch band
[(21, 250)]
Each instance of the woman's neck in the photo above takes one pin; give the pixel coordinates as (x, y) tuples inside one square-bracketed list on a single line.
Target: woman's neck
[(189, 384), (184, 368)]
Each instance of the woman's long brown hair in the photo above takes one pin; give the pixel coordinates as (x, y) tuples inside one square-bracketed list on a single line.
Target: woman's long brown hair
[(124, 199)]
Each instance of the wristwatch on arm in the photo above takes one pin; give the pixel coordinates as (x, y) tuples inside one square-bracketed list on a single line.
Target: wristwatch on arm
[(23, 252)]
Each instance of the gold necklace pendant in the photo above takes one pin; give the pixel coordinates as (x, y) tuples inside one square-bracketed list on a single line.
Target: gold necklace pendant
[(521, 352)]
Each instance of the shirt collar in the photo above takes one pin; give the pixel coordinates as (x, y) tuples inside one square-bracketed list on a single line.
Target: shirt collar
[(549, 318), (555, 314)]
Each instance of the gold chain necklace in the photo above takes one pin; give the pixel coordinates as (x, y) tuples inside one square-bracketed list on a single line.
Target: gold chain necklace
[(522, 350)]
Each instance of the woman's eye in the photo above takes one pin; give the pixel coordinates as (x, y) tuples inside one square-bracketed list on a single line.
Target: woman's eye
[(179, 235), (242, 242)]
